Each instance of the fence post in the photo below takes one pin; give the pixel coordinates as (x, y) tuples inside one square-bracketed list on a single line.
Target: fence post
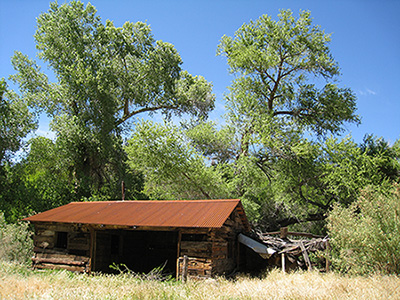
[(185, 268), (283, 232)]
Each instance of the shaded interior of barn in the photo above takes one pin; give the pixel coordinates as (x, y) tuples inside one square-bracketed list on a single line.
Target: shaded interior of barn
[(139, 251)]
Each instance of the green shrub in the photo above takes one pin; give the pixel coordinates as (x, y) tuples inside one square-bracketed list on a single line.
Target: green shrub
[(365, 237), (15, 241)]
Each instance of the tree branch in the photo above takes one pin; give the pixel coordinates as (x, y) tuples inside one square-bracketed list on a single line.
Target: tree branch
[(322, 206), (199, 187), (142, 110), (293, 220)]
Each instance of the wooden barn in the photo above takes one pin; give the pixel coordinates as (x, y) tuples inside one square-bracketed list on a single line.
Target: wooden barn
[(143, 235)]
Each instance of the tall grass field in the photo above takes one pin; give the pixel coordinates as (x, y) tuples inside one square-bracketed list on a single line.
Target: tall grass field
[(20, 282)]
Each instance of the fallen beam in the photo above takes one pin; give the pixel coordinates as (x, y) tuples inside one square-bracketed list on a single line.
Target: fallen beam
[(264, 251)]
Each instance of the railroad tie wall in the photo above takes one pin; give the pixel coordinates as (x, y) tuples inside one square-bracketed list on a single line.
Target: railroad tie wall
[(61, 246), (210, 252)]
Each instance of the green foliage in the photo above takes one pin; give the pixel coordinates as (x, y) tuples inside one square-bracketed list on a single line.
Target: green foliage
[(365, 237), (108, 75), (15, 241), (16, 122), (172, 167), (218, 145), (275, 63)]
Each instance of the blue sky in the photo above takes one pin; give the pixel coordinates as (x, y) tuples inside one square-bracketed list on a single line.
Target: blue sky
[(365, 42)]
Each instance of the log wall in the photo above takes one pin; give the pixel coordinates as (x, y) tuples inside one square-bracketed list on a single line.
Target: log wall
[(210, 252), (48, 255)]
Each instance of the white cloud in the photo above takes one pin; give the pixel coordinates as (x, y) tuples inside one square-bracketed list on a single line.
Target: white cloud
[(367, 92)]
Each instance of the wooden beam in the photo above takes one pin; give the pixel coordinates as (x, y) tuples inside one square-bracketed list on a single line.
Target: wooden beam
[(59, 261), (305, 234), (92, 252), (305, 255), (327, 262), (185, 268), (178, 252), (283, 232)]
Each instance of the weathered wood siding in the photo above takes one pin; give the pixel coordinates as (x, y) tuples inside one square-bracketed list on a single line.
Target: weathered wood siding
[(216, 253), (47, 255)]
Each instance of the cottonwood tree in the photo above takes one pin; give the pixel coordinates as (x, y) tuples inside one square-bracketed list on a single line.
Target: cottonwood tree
[(276, 64), (105, 75), (173, 168), (285, 86), (16, 122)]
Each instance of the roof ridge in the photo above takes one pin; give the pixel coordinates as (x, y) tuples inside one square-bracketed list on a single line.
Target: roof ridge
[(154, 201)]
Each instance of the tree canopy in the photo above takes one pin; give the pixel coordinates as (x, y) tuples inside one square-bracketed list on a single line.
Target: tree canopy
[(280, 68), (16, 121), (105, 76)]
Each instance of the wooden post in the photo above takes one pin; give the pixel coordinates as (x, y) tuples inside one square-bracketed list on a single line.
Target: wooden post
[(283, 262), (185, 268), (284, 232), (178, 253), (123, 190), (178, 250), (305, 255), (327, 262), (92, 249), (178, 264)]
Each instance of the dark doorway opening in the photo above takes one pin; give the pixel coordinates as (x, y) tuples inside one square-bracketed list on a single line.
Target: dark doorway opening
[(140, 251)]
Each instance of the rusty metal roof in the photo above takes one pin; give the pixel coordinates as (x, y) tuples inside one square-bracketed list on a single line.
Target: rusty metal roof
[(177, 213)]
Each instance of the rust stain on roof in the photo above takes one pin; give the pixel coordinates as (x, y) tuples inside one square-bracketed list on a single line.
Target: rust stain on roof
[(177, 213)]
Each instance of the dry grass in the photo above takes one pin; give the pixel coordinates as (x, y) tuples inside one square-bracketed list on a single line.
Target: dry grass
[(17, 282)]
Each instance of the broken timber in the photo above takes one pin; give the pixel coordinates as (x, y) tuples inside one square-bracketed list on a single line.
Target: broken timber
[(288, 251)]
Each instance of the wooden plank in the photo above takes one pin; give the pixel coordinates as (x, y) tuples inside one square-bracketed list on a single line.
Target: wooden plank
[(185, 268), (305, 234), (57, 227), (205, 246), (194, 230), (59, 267), (90, 266), (305, 255), (49, 251), (46, 232), (59, 261), (69, 257)]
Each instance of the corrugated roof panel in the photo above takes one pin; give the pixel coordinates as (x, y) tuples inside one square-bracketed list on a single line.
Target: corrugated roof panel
[(183, 213)]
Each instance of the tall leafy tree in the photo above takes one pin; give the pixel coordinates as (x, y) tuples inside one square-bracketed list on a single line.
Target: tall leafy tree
[(105, 76), (276, 64), (286, 85), (16, 121), (173, 168)]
